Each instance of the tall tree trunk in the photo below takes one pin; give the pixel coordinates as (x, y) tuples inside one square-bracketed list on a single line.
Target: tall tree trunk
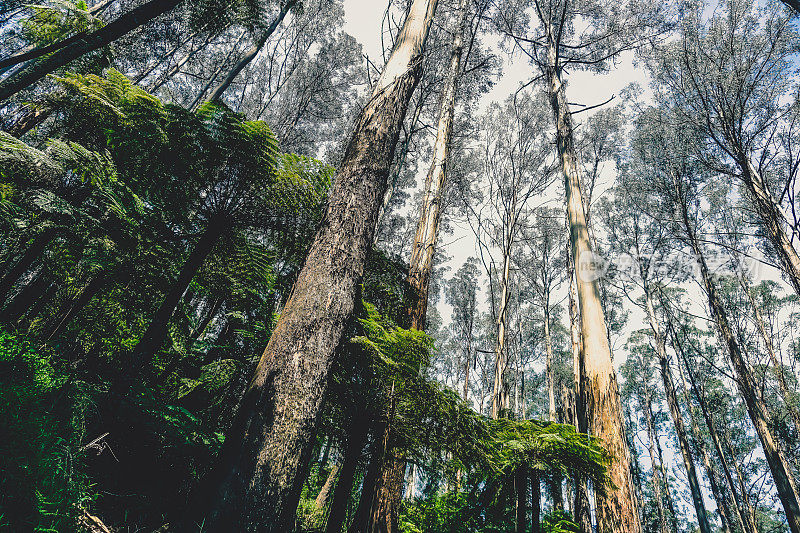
[(772, 219), (711, 472), (153, 337), (616, 510), (166, 76), (74, 306), (521, 497), (24, 263), (252, 52), (712, 431), (344, 486), (555, 483), (421, 263), (658, 472), (582, 505), (40, 68), (536, 503), (674, 409), (424, 247), (270, 439), (500, 393), (777, 365), (781, 473)]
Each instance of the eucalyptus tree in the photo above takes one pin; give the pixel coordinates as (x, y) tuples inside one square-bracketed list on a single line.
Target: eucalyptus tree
[(260, 475), (557, 35), (730, 75), (676, 179), (461, 292), (634, 235), (515, 162)]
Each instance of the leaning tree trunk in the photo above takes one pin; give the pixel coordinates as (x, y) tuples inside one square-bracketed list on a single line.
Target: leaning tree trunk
[(142, 354), (252, 52), (616, 509), (259, 486), (741, 513), (781, 472), (24, 263), (422, 254), (711, 472), (675, 412), (40, 68), (772, 220)]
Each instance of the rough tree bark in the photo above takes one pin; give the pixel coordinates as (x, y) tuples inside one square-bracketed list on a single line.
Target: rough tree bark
[(259, 482), (616, 510), (90, 42), (500, 396), (583, 515)]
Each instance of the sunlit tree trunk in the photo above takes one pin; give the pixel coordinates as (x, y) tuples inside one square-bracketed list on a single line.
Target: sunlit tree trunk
[(271, 437), (500, 393), (555, 485), (616, 510), (581, 502)]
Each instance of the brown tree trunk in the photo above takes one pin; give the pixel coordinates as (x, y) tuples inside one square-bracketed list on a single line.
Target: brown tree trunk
[(271, 437), (252, 52), (675, 412), (521, 496), (781, 473), (616, 509), (583, 515), (344, 486), (153, 337), (40, 68), (24, 263)]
